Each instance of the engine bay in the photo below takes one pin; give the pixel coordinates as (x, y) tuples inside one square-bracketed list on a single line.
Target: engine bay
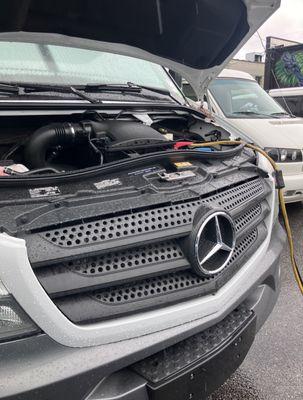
[(50, 144)]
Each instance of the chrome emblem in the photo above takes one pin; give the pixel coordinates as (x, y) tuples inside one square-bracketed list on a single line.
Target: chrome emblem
[(215, 242)]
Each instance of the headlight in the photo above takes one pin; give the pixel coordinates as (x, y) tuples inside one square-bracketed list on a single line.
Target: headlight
[(284, 155), (14, 323)]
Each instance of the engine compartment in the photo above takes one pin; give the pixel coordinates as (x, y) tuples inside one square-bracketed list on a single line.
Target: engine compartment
[(49, 144)]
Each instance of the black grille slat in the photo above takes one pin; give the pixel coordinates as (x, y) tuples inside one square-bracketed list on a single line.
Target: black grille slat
[(235, 197), (151, 287), (104, 270), (131, 258), (166, 283), (123, 226), (149, 221), (246, 218)]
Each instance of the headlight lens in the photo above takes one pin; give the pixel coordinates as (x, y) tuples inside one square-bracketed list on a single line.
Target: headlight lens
[(284, 155), (14, 323)]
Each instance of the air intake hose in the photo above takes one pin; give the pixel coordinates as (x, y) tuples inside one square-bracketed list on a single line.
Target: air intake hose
[(59, 134)]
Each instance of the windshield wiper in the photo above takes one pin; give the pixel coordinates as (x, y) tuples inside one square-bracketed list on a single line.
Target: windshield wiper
[(33, 88), (164, 92), (20, 89), (8, 88), (254, 113), (150, 88), (26, 88), (129, 87), (282, 113), (80, 90), (95, 87)]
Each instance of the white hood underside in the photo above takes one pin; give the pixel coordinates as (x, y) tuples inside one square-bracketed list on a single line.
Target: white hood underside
[(257, 11)]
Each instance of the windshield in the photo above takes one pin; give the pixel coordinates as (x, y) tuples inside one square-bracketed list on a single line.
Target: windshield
[(240, 98), (59, 65)]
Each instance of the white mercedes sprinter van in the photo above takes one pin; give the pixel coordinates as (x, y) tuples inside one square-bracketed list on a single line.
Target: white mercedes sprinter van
[(238, 100)]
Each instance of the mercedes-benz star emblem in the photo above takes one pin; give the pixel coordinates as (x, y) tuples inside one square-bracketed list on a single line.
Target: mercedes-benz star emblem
[(214, 243)]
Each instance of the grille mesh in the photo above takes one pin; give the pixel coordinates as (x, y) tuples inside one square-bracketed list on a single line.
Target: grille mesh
[(164, 284), (243, 246), (238, 195), (246, 218), (150, 287), (157, 219), (128, 259), (118, 227)]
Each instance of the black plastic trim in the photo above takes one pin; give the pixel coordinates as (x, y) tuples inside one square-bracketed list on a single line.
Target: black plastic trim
[(83, 308), (60, 281), (205, 374), (172, 155)]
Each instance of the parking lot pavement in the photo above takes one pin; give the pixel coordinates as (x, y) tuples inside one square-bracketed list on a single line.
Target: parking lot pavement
[(273, 370)]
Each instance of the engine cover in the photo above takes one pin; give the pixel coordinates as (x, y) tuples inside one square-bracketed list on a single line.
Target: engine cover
[(123, 134)]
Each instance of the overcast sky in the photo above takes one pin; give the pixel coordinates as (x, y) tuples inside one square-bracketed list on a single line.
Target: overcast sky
[(286, 23)]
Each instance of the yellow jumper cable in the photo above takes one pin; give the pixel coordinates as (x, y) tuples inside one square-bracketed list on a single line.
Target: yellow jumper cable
[(294, 264)]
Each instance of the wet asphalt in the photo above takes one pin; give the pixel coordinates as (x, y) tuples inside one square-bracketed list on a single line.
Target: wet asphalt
[(273, 369)]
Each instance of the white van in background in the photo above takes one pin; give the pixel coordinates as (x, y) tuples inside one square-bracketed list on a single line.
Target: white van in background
[(290, 98), (237, 98)]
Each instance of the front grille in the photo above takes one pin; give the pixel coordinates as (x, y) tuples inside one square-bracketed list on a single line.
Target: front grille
[(119, 264)]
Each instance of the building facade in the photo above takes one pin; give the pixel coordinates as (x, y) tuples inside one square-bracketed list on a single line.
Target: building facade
[(253, 65)]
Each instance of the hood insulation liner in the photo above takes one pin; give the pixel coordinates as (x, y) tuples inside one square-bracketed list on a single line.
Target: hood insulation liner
[(197, 33)]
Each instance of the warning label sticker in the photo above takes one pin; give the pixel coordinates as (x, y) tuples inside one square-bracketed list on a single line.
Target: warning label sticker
[(182, 164), (44, 191), (145, 171), (107, 183)]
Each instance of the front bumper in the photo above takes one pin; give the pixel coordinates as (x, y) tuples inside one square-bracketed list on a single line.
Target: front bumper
[(39, 368), (293, 191), (293, 179)]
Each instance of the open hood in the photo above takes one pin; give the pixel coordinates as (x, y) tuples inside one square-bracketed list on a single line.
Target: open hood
[(195, 38)]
